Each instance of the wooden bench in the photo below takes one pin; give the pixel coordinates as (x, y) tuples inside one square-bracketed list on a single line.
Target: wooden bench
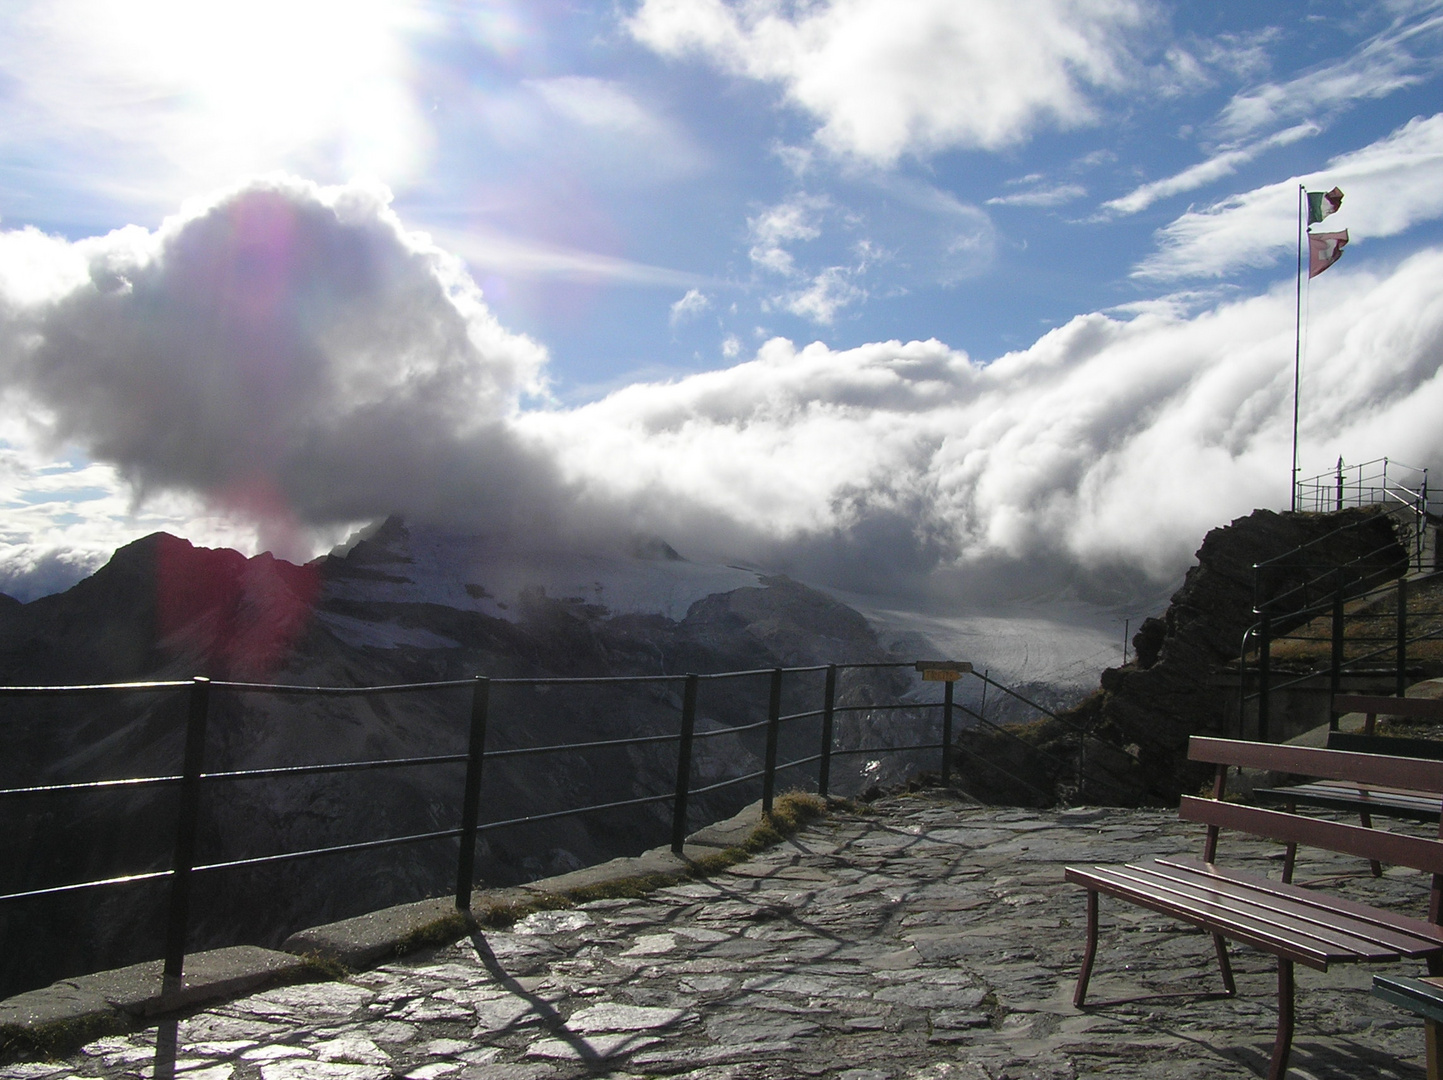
[(1297, 925), (1423, 997), (1365, 801)]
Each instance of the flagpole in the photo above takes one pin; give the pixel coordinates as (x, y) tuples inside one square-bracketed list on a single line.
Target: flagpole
[(1297, 347)]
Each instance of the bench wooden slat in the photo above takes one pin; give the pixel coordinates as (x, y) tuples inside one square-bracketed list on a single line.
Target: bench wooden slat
[(1313, 927), (1312, 938), (1361, 931), (1262, 937), (1300, 894), (1425, 708), (1417, 774), (1395, 848), (1338, 795)]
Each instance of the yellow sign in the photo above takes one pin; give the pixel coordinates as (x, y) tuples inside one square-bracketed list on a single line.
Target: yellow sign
[(942, 670)]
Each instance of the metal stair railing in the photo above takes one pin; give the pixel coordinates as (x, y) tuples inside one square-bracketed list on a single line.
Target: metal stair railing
[(1328, 592), (1402, 490)]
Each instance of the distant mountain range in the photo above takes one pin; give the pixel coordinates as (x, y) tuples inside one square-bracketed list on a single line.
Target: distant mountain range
[(401, 605)]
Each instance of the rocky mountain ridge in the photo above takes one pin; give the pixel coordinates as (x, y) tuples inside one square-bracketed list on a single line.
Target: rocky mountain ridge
[(402, 606)]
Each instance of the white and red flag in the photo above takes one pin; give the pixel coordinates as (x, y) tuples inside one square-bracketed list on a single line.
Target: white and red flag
[(1324, 249)]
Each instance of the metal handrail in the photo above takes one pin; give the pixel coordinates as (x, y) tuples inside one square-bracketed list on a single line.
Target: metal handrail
[(192, 777)]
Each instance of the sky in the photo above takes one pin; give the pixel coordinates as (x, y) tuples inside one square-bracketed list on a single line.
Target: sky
[(968, 303)]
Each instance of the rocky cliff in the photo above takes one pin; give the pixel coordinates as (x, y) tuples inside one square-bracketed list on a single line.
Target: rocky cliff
[(1138, 722)]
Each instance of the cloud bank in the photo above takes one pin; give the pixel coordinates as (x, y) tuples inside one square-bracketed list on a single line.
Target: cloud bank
[(1100, 455), (291, 355), (887, 79), (285, 350)]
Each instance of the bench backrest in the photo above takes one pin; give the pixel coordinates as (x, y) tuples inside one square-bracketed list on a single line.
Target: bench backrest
[(1377, 770), (1385, 744), (1399, 849), (1420, 708), (1383, 770)]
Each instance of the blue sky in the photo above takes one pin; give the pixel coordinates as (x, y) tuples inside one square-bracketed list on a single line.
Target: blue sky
[(661, 205)]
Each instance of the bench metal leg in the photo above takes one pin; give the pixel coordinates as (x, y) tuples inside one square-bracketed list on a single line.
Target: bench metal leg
[(1290, 853), (1284, 1044), (1080, 994), (1224, 965), (1365, 817), (1430, 1044)]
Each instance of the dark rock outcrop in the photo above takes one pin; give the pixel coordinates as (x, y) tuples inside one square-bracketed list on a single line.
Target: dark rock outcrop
[(1137, 724)]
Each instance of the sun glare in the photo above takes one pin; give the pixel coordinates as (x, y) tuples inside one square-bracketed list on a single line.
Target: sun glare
[(230, 87)]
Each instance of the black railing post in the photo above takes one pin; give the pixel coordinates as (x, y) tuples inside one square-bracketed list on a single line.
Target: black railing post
[(187, 814), (774, 716), (1402, 684), (471, 798), (947, 732), (1335, 668), (1340, 483), (829, 708), (683, 764), (1265, 671)]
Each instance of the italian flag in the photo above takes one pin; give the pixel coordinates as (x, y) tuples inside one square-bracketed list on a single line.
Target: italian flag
[(1323, 203)]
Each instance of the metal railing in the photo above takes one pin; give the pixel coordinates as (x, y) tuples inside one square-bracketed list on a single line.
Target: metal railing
[(1401, 490), (193, 779), (1322, 587), (1365, 484)]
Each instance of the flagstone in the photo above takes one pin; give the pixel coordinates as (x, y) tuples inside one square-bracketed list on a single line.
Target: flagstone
[(920, 942)]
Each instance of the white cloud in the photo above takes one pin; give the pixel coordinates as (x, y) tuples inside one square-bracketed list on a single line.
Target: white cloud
[(595, 127), (527, 257), (1390, 186), (692, 304), (886, 79), (796, 218), (1205, 172), (731, 347), (1108, 446), (824, 251), (828, 292), (63, 521), (1383, 64), (1055, 195), (358, 373), (596, 103), (284, 351)]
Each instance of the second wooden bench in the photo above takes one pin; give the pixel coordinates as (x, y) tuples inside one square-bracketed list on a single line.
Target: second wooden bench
[(1297, 925)]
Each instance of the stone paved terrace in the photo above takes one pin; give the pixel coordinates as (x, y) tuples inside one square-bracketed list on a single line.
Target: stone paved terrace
[(924, 939)]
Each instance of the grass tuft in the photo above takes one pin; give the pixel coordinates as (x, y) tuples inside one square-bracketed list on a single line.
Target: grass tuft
[(320, 967), (442, 931)]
